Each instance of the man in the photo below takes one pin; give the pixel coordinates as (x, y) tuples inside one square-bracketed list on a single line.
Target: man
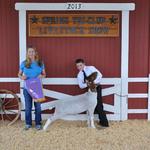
[(85, 71)]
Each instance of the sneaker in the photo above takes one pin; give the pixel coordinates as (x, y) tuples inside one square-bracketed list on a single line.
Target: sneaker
[(38, 127), (27, 127)]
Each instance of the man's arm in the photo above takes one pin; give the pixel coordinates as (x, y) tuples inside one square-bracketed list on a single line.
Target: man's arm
[(81, 83)]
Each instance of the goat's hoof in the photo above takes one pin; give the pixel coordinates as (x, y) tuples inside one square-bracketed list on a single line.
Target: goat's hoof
[(44, 129)]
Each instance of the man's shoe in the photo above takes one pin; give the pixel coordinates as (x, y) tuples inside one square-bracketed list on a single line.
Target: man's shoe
[(104, 124), (27, 127), (38, 127)]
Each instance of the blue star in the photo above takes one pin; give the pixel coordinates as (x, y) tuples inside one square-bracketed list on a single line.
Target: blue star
[(34, 19), (113, 20)]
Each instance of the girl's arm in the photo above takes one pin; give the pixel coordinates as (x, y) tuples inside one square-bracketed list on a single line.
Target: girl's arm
[(43, 74), (21, 76)]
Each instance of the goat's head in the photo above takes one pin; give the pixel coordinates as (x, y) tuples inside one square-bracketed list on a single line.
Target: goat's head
[(90, 81)]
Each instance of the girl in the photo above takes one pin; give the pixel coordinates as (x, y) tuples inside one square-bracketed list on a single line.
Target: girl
[(32, 67)]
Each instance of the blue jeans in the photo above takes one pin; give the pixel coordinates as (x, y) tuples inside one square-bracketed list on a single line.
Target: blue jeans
[(28, 109)]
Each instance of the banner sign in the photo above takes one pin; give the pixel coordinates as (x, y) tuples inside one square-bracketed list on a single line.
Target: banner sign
[(73, 25)]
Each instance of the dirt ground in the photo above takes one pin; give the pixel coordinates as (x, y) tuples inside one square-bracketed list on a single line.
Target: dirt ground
[(74, 135)]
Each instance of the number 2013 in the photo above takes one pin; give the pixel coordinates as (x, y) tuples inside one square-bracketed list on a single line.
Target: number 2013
[(72, 6)]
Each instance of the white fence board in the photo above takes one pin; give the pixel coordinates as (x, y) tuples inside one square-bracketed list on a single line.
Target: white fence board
[(115, 89)]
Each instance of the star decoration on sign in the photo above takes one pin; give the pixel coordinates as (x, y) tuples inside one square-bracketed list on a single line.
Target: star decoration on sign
[(113, 20), (34, 19)]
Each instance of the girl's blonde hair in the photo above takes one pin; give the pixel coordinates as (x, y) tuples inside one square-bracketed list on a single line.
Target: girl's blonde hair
[(37, 58)]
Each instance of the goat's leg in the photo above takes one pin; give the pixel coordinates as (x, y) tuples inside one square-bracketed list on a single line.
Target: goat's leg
[(91, 115), (88, 119), (92, 122), (52, 119), (48, 122)]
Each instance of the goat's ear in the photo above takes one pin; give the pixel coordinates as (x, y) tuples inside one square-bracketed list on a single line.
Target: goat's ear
[(93, 76)]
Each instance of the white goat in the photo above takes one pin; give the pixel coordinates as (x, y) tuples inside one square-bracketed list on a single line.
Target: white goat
[(77, 104)]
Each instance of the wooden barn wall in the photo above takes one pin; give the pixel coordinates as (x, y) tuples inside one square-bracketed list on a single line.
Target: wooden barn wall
[(59, 53), (138, 55)]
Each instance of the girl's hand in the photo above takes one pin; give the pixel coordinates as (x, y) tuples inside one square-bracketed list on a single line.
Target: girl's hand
[(40, 76), (23, 77)]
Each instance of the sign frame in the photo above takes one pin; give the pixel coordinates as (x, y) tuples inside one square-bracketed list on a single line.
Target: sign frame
[(74, 25)]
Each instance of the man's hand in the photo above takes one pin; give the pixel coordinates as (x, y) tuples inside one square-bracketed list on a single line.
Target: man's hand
[(88, 83)]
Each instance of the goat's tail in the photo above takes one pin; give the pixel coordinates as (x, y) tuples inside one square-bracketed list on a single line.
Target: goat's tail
[(48, 105)]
